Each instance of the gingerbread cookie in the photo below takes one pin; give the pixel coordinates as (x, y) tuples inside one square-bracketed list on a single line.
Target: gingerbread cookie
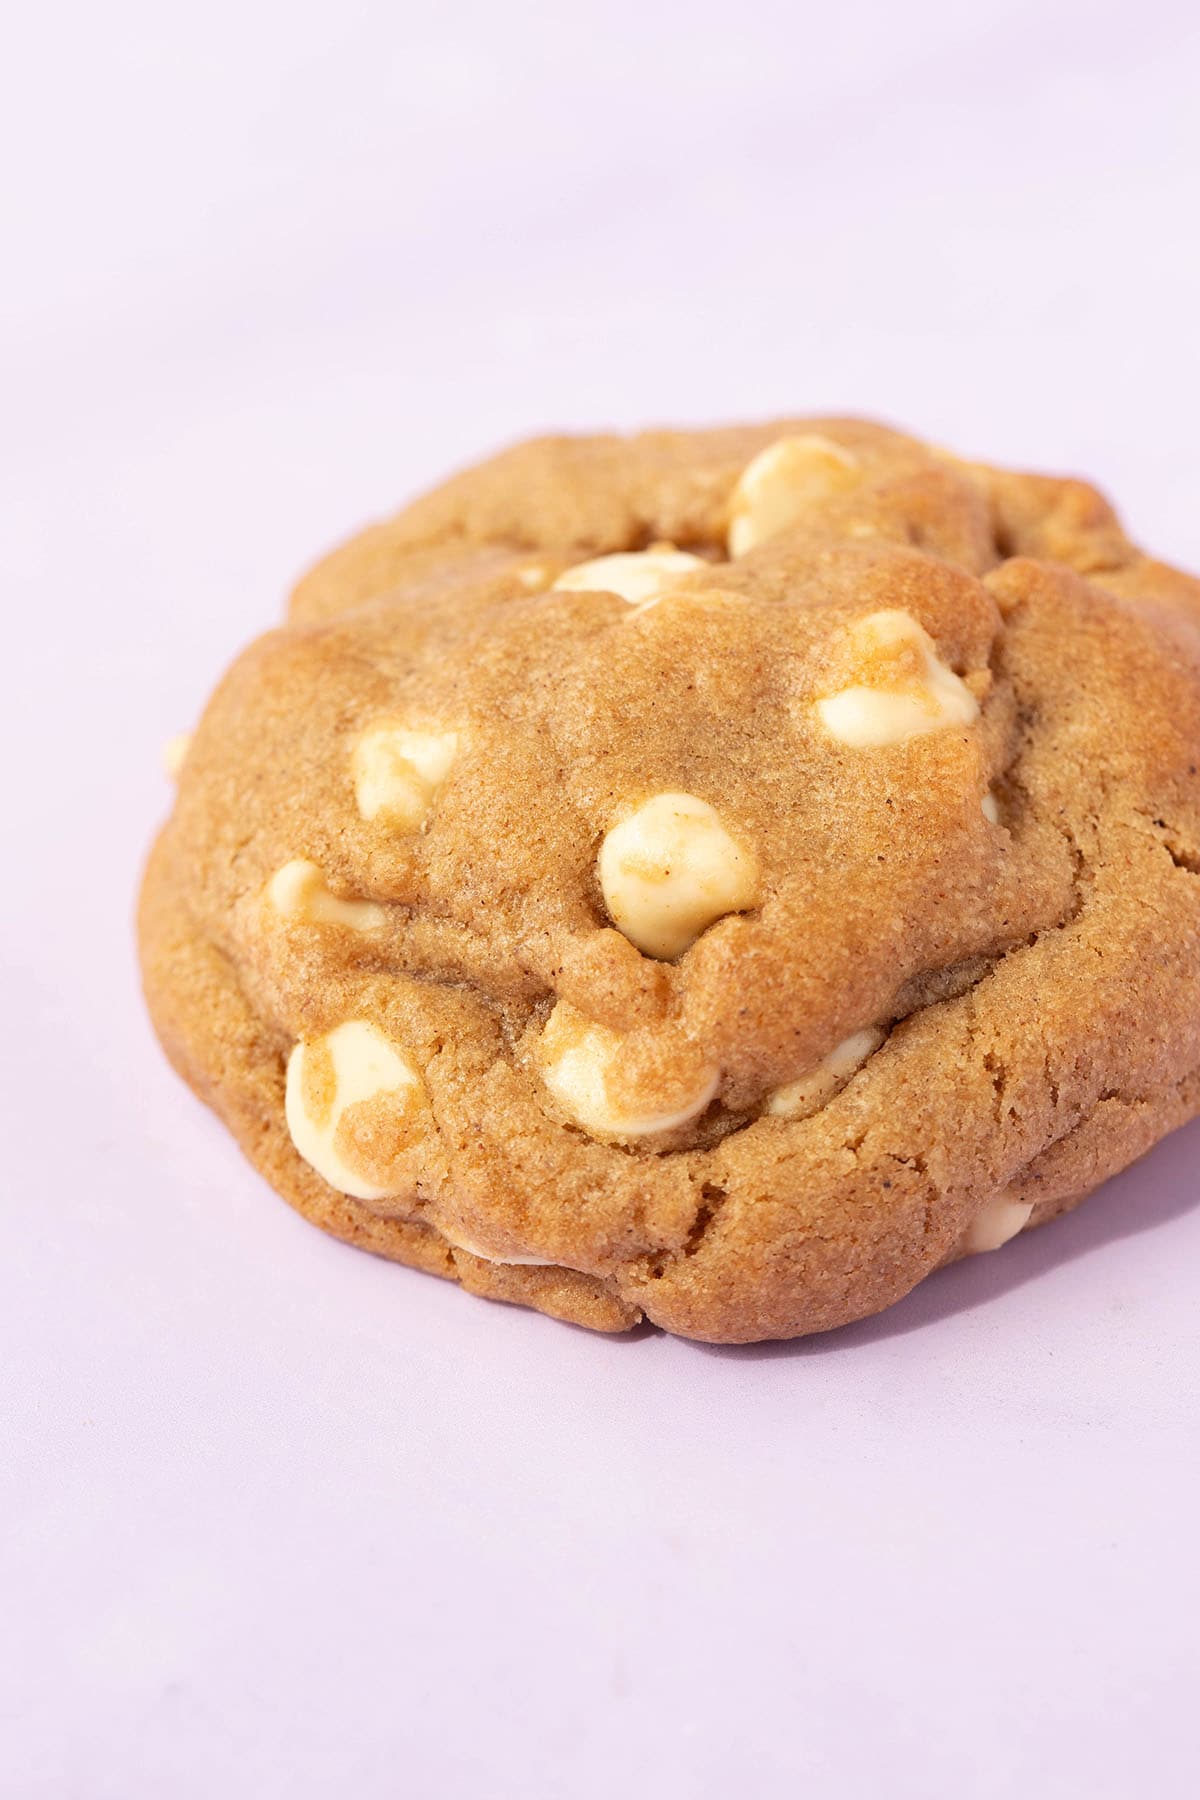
[(712, 877)]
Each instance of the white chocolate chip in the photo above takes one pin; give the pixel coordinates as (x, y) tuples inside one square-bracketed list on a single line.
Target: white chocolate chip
[(989, 806), (801, 1099), (174, 753), (671, 868), (995, 1224), (637, 576), (578, 1058), (780, 485), (398, 772), (298, 891), (460, 1241), (909, 692), (326, 1078)]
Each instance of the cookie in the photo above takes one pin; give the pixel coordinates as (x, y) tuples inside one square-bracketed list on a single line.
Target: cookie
[(709, 877)]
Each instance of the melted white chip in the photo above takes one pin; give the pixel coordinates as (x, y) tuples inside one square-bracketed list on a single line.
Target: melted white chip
[(989, 806), (669, 869), (325, 1077), (298, 891), (578, 1058), (907, 691), (995, 1224), (174, 753), (637, 576), (460, 1241), (398, 771), (800, 1099), (781, 483)]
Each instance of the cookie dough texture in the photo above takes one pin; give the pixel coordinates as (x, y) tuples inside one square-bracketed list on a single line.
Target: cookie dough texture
[(727, 938)]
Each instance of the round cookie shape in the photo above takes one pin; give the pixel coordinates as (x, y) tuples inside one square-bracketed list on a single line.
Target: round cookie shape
[(712, 877)]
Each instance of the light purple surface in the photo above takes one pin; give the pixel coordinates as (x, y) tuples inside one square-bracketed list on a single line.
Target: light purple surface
[(277, 1519)]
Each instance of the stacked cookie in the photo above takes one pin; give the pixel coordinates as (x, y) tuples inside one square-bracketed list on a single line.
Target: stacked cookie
[(711, 877)]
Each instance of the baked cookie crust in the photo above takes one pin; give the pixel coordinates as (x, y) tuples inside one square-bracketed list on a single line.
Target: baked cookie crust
[(726, 934)]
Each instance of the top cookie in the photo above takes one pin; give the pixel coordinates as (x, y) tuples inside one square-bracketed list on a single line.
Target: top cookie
[(714, 877)]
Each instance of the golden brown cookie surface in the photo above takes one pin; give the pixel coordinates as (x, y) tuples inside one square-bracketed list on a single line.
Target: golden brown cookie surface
[(711, 876)]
